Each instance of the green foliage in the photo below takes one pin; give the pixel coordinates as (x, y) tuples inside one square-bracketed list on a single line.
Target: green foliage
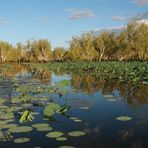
[(53, 108)]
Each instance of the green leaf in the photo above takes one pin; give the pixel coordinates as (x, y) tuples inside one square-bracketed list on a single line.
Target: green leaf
[(124, 118)]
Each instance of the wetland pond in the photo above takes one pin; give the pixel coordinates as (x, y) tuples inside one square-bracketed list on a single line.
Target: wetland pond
[(40, 108)]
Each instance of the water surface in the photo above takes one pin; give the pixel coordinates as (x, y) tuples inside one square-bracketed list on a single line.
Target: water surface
[(95, 101)]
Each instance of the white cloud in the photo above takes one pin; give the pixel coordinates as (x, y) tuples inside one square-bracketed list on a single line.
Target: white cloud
[(3, 21), (119, 18), (44, 19), (136, 17), (80, 14), (109, 29), (141, 2)]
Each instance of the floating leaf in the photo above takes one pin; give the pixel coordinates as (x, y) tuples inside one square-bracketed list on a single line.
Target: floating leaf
[(65, 83), (108, 96), (8, 126), (20, 129), (111, 100), (76, 133), (54, 134), (67, 146), (78, 120), (85, 107), (7, 116), (26, 116), (21, 140), (40, 125), (61, 139), (73, 118), (44, 129), (124, 118)]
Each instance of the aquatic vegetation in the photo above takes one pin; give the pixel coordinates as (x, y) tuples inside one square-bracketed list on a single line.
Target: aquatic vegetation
[(65, 83), (61, 139), (124, 118), (26, 116), (55, 134), (76, 133), (44, 129), (5, 136), (67, 146), (36, 107), (75, 119), (40, 125), (21, 140), (6, 126), (53, 108), (20, 129)]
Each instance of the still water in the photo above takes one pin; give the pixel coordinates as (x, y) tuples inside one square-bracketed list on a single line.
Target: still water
[(105, 113)]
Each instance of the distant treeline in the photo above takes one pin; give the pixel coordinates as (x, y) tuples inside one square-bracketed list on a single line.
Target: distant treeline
[(129, 44)]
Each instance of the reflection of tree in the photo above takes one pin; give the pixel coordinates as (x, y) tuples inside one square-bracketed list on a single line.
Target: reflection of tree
[(15, 70), (40, 73), (6, 87), (132, 93), (11, 70)]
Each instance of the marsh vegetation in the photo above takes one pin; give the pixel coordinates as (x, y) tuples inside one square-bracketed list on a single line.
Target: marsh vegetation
[(74, 105)]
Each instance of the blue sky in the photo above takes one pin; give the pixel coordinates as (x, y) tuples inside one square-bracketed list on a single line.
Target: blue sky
[(59, 20)]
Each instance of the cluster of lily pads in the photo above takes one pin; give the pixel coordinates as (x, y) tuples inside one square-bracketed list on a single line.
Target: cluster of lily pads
[(124, 71), (20, 109)]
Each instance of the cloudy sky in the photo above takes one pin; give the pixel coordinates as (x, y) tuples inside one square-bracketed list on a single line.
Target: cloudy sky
[(58, 20)]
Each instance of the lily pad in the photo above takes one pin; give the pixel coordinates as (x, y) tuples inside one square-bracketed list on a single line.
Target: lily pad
[(111, 100), (7, 116), (85, 107), (78, 120), (124, 118), (21, 140), (54, 134), (44, 129), (61, 139), (65, 83), (40, 125), (20, 129), (76, 133), (108, 96), (8, 126), (67, 146)]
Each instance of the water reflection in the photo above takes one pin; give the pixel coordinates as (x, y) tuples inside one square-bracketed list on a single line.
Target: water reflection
[(90, 83)]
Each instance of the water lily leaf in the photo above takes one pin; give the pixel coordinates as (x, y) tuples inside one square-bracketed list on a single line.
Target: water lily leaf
[(40, 125), (5, 136), (44, 129), (20, 129), (73, 118), (61, 139), (50, 109), (21, 140), (108, 96), (7, 116), (9, 126), (16, 100), (85, 107), (76, 133), (64, 109), (65, 83), (3, 122), (124, 118), (67, 146), (54, 134), (111, 100), (24, 116), (77, 120)]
